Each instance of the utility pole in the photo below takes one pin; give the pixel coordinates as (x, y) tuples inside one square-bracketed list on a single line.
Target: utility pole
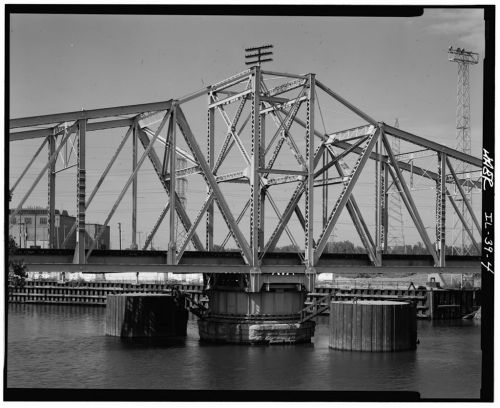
[(19, 230), (464, 59), (120, 234)]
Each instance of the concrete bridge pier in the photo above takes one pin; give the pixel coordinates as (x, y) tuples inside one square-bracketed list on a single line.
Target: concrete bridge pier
[(269, 314)]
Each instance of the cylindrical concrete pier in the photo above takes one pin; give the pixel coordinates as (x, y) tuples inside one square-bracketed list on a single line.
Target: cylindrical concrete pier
[(255, 318), (372, 325), (145, 315)]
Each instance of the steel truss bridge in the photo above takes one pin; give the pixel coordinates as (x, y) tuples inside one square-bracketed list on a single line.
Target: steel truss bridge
[(291, 107)]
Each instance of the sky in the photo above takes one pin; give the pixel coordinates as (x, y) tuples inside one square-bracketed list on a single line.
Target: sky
[(388, 67)]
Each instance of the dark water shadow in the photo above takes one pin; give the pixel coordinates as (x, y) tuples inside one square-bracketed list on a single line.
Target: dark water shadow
[(275, 346), (152, 342)]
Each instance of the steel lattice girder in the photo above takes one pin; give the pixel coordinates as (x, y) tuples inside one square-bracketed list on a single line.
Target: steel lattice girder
[(264, 101)]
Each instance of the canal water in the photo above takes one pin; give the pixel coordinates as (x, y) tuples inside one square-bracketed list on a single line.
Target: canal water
[(51, 346)]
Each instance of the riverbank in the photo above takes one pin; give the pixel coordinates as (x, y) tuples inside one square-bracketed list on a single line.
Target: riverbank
[(432, 303)]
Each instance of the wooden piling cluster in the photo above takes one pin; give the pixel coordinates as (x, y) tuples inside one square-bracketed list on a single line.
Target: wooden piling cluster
[(430, 304), (145, 315), (371, 325), (452, 304), (89, 293)]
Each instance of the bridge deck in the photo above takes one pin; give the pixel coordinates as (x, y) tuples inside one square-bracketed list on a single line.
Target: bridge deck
[(115, 261)]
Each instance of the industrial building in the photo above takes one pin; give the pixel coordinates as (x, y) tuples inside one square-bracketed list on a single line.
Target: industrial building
[(30, 229)]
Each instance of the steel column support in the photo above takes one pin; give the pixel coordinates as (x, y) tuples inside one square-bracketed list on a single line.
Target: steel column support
[(134, 188), (263, 190), (52, 193), (325, 189), (211, 164), (172, 245), (385, 213), (441, 210), (378, 211), (309, 187), (406, 196), (79, 256), (380, 204), (256, 164)]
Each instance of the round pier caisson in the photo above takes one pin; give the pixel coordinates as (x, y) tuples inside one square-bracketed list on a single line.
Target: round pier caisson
[(372, 325), (255, 318)]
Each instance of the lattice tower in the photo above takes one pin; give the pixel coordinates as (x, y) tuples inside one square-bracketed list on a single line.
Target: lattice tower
[(395, 233), (461, 241)]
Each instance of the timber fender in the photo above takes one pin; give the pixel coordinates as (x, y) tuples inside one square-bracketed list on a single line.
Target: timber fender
[(373, 326)]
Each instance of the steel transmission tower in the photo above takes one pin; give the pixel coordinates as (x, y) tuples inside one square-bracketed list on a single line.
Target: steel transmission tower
[(395, 233), (461, 240)]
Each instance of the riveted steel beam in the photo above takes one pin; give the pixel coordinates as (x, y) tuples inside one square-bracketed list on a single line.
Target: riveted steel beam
[(429, 144), (310, 258), (347, 104), (51, 189), (88, 114), (158, 222)]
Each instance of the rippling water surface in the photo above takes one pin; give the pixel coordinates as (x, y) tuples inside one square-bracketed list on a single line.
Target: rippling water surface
[(65, 347)]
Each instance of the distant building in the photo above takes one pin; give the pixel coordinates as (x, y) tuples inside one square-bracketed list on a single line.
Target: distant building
[(30, 228)]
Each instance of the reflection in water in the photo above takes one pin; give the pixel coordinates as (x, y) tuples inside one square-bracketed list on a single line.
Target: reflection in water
[(62, 346)]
